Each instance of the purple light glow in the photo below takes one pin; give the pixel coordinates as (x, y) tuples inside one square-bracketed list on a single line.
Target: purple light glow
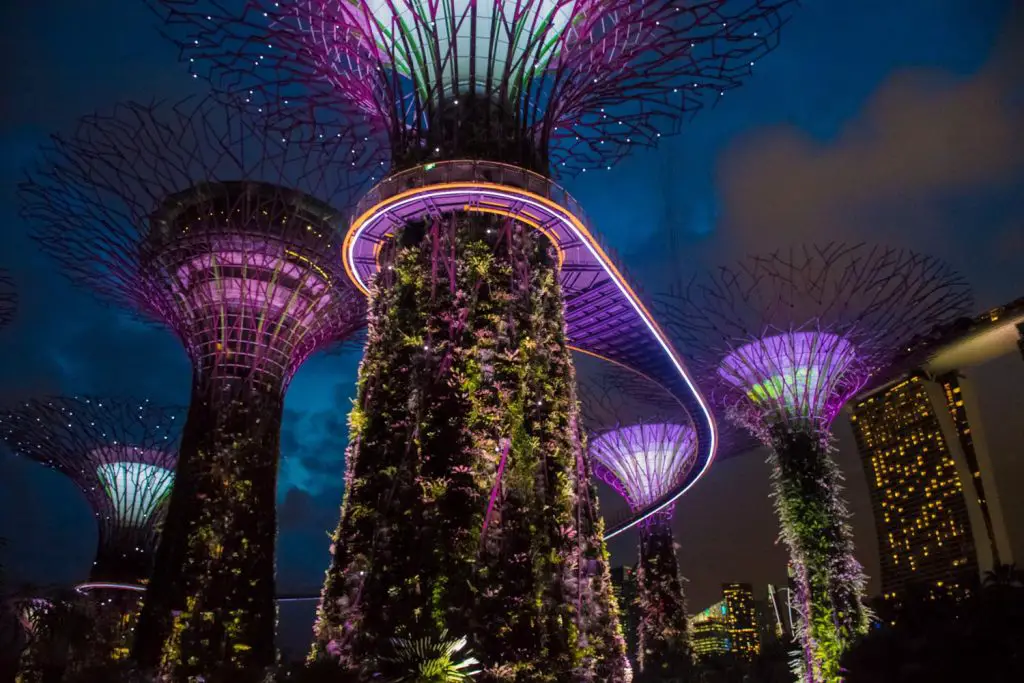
[(256, 285), (257, 288), (645, 461), (196, 217), (787, 337), (797, 375), (592, 324), (571, 70)]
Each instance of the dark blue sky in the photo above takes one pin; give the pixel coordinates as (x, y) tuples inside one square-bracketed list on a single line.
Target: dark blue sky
[(897, 121)]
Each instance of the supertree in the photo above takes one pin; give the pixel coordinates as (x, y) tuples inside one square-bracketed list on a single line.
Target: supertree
[(197, 218), (642, 447), (8, 298), (468, 507), (786, 340), (642, 462), (121, 455)]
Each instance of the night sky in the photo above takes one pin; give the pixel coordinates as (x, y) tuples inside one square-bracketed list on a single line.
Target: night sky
[(894, 121)]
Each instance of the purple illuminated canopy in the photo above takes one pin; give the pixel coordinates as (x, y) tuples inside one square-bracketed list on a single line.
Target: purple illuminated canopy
[(788, 337), (569, 84), (643, 462), (196, 217), (796, 375)]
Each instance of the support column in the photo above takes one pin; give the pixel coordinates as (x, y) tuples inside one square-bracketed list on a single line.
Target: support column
[(210, 606)]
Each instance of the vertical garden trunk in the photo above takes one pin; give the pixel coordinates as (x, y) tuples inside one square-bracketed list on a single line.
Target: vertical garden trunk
[(462, 499), (663, 651), (807, 494), (210, 607)]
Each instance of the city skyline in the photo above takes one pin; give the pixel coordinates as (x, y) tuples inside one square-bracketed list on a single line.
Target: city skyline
[(312, 416)]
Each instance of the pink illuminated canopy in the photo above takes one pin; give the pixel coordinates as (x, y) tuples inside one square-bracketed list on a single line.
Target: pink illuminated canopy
[(795, 376), (643, 462)]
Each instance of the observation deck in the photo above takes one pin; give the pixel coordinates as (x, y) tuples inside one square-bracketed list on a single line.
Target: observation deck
[(604, 316)]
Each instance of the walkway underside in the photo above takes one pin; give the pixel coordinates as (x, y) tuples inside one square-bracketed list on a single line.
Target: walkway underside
[(604, 316)]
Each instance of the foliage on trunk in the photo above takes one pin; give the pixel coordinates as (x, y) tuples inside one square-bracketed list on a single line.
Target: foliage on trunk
[(829, 580), (464, 509), (663, 652)]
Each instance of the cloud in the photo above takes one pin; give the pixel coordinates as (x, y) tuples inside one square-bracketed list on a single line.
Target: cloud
[(923, 138), (314, 436)]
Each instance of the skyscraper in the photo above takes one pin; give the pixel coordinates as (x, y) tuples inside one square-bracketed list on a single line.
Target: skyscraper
[(728, 626), (741, 619), (707, 631), (928, 466), (921, 516)]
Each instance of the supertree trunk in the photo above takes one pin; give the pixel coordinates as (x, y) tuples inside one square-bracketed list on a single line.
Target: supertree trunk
[(461, 496), (807, 491), (664, 645), (598, 607), (118, 558), (221, 628), (76, 636)]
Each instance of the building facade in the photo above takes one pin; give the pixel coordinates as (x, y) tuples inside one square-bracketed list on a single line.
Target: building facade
[(922, 444), (708, 636), (728, 626), (921, 514), (741, 619)]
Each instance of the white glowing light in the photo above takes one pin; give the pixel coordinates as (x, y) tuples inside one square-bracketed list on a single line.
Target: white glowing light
[(135, 488), (491, 37), (644, 462)]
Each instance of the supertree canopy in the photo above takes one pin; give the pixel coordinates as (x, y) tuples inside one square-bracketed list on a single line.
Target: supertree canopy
[(121, 454), (8, 299), (569, 84), (641, 462), (195, 217), (787, 339)]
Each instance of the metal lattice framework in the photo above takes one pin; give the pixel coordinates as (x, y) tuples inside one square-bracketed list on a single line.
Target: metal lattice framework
[(197, 216), (787, 339), (570, 84), (194, 217), (465, 98), (120, 453), (642, 462), (8, 299)]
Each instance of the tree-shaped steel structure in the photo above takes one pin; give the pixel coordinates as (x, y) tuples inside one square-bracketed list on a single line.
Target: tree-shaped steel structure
[(8, 298), (483, 272), (642, 462), (194, 216), (121, 454), (565, 84), (641, 446), (786, 340)]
